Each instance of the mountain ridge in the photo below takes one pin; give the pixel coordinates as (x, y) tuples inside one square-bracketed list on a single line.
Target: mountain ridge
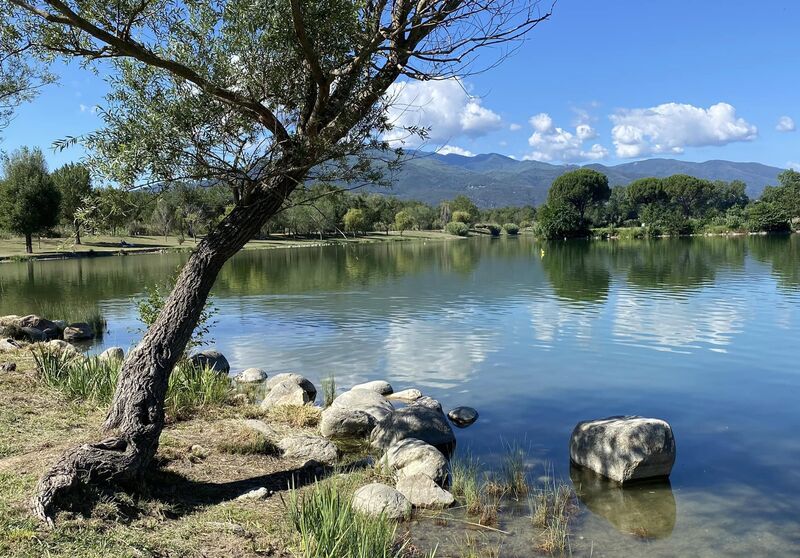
[(494, 180)]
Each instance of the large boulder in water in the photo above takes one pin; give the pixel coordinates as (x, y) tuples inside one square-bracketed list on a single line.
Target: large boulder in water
[(301, 381), (338, 422), (411, 457), (210, 359), (462, 416), (379, 499), (378, 386), (424, 421), (624, 448), (365, 400)]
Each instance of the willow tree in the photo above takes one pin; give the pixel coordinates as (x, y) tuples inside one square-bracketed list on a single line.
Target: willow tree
[(260, 95)]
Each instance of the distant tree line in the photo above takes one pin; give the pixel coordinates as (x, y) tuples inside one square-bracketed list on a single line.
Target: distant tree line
[(36, 202)]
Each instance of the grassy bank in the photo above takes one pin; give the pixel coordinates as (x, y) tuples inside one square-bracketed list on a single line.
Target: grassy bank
[(13, 249)]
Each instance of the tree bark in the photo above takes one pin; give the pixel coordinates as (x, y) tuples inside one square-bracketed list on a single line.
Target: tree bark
[(28, 243), (77, 234), (136, 415)]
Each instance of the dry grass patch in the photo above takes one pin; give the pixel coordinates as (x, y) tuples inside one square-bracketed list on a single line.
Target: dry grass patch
[(299, 416)]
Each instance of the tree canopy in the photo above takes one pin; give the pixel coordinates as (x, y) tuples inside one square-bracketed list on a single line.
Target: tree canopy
[(581, 188)]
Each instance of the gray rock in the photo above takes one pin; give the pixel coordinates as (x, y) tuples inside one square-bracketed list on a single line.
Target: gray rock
[(365, 400), (113, 354), (34, 335), (429, 402), (211, 359), (8, 366), (376, 499), (78, 332), (35, 322), (422, 492), (251, 375), (411, 457), (624, 448), (257, 494), (286, 392), (406, 396), (301, 381), (310, 448), (260, 426), (61, 346), (338, 422), (423, 422), (462, 416), (378, 386), (9, 344)]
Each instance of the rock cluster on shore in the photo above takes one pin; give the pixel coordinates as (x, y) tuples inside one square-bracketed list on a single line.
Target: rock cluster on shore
[(19, 331)]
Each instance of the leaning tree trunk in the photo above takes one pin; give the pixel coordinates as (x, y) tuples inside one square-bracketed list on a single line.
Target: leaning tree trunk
[(77, 234), (136, 416)]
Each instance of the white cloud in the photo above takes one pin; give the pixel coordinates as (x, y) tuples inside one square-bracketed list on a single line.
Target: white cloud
[(785, 124), (443, 106), (515, 127), (792, 165), (454, 149), (551, 143), (90, 110), (670, 127)]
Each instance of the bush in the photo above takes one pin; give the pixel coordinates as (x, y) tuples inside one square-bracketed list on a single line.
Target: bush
[(457, 228), (493, 228), (511, 229), (560, 220), (460, 217), (767, 217)]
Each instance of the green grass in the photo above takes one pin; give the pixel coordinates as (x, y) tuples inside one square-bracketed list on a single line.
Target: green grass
[(466, 485), (513, 470), (328, 527), (328, 390), (552, 506), (73, 312), (94, 380)]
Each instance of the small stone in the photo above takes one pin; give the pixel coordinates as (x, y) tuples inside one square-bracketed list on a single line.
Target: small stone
[(422, 492), (376, 499), (35, 322), (412, 457), (406, 396), (257, 494), (116, 354), (310, 448), (199, 451), (211, 359), (285, 393), (251, 375), (338, 422), (463, 416), (378, 386), (78, 332)]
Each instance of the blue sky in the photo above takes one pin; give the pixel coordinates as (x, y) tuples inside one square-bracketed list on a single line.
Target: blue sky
[(602, 81)]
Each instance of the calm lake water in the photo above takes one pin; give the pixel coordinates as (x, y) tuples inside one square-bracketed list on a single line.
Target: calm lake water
[(704, 333)]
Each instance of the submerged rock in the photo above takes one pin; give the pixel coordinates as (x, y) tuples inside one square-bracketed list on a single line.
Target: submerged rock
[(78, 332), (378, 386), (422, 492), (338, 422), (210, 359), (423, 421), (116, 354), (411, 457), (286, 392), (376, 499), (624, 448), (365, 400), (301, 381), (251, 376), (310, 448), (462, 416)]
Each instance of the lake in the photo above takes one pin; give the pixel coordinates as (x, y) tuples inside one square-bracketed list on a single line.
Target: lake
[(703, 332)]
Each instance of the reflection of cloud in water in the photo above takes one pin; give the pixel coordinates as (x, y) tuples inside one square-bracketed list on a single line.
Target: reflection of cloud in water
[(671, 324), (439, 353), (552, 320)]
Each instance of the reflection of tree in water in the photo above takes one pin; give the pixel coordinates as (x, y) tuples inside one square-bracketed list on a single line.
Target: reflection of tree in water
[(782, 252), (676, 263), (577, 270)]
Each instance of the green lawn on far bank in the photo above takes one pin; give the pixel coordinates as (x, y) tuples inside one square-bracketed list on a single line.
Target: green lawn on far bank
[(14, 248)]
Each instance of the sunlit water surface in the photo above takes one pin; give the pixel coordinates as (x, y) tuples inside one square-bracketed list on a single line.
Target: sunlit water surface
[(703, 333)]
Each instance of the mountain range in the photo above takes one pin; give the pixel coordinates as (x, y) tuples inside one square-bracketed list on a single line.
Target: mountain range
[(494, 180)]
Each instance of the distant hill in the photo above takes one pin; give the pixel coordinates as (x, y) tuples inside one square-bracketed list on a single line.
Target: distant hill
[(493, 180)]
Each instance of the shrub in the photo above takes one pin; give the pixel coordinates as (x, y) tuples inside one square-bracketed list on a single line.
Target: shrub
[(767, 217), (460, 217), (457, 228), (493, 228), (512, 229)]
